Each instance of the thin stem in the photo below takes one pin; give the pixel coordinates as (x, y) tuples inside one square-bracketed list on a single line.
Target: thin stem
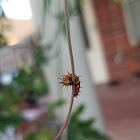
[(72, 67)]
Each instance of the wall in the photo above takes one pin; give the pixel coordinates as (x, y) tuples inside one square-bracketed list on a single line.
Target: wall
[(95, 53), (19, 29)]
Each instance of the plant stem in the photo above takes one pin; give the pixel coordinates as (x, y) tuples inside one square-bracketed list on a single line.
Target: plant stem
[(72, 67)]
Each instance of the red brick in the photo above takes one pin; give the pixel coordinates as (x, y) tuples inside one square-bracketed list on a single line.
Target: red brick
[(114, 37)]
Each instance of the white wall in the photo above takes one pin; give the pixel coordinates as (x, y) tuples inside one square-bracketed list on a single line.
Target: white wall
[(60, 64), (95, 54)]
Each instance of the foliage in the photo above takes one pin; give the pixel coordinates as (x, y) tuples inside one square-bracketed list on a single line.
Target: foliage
[(42, 135), (4, 27), (27, 84), (9, 115), (116, 0), (47, 4), (82, 1), (32, 136), (7, 118), (72, 11), (39, 55), (24, 85), (3, 40), (53, 106), (26, 81), (82, 129)]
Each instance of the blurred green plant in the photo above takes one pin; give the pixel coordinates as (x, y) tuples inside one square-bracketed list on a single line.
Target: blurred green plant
[(28, 80), (83, 129), (40, 56), (51, 107), (72, 11), (42, 135), (117, 0), (82, 1), (15, 93), (5, 26), (27, 83), (8, 118), (9, 115), (47, 4)]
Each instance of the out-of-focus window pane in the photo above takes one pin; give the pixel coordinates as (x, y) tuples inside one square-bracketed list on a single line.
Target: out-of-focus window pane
[(132, 13)]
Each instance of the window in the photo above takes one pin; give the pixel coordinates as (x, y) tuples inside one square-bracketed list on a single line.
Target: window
[(132, 19)]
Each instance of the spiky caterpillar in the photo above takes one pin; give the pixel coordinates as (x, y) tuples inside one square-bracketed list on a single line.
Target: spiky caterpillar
[(67, 81)]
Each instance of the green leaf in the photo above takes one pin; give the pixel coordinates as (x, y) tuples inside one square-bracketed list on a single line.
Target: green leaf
[(32, 136), (63, 29), (53, 106), (9, 118), (39, 56), (47, 4), (83, 129), (82, 1), (27, 69), (77, 113), (116, 0)]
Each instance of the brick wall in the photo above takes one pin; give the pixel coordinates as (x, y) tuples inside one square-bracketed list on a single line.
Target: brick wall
[(122, 58)]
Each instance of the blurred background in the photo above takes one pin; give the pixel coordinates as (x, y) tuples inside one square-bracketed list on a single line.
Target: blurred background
[(105, 37)]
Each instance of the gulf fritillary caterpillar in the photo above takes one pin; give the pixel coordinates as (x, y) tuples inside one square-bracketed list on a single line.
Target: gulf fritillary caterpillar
[(67, 81)]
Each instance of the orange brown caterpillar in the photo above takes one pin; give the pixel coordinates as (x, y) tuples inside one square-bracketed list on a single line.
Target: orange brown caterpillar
[(67, 81)]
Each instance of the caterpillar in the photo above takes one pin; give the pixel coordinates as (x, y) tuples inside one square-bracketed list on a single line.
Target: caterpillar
[(67, 81)]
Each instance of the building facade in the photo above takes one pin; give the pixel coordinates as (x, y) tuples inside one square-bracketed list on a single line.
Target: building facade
[(118, 26)]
